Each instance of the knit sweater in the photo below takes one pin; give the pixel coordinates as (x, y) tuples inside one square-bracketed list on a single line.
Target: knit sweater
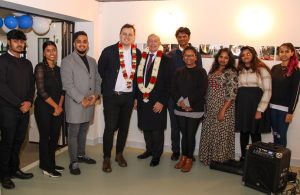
[(16, 81), (285, 90)]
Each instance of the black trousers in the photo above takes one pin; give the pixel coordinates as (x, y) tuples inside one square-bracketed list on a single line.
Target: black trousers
[(117, 114), (175, 130), (244, 140), (49, 127), (13, 127), (188, 127), (154, 142)]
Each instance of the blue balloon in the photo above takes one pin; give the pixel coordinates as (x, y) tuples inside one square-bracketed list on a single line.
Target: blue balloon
[(1, 22), (11, 22), (25, 21)]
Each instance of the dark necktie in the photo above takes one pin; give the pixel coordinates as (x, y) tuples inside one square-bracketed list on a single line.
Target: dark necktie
[(149, 62)]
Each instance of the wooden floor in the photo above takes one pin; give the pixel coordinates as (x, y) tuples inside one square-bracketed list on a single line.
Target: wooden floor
[(138, 178)]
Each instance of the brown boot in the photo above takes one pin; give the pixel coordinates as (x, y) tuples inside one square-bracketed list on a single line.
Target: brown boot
[(106, 167), (121, 161), (188, 165), (181, 162)]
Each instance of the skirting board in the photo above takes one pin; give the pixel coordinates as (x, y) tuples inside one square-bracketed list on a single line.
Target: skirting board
[(167, 148)]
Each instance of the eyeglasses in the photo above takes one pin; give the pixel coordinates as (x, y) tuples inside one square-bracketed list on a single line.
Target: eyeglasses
[(246, 54)]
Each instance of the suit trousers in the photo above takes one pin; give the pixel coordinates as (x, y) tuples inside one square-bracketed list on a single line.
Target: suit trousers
[(117, 114), (14, 125), (175, 130), (189, 127), (77, 139), (49, 127), (154, 142)]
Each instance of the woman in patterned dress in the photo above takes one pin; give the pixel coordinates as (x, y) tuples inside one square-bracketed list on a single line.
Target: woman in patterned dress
[(217, 135)]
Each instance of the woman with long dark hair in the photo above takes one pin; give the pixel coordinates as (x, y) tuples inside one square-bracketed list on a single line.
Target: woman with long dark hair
[(285, 92), (254, 93), (48, 110), (217, 134)]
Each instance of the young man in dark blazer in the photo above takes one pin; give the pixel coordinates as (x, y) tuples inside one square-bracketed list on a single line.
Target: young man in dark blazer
[(153, 88), (117, 65)]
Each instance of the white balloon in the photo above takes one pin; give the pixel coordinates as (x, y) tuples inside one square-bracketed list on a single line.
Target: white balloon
[(5, 29), (18, 14), (40, 25)]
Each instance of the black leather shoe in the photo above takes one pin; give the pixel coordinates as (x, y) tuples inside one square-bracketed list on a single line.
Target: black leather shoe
[(59, 168), (144, 155), (21, 175), (86, 159), (7, 183), (193, 158), (175, 156), (74, 169), (154, 162)]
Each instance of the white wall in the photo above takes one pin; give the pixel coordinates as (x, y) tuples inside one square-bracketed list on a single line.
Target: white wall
[(213, 22)]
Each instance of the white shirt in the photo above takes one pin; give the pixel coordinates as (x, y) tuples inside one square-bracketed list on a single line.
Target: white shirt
[(121, 84)]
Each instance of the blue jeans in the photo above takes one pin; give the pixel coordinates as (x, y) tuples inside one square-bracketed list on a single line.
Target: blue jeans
[(279, 126)]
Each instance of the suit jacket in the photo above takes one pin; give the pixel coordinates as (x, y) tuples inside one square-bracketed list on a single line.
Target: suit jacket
[(109, 66), (78, 83), (147, 119)]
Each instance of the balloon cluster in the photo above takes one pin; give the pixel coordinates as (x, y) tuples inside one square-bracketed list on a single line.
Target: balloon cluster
[(25, 22)]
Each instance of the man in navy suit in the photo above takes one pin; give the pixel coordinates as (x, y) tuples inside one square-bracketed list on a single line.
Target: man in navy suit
[(117, 66)]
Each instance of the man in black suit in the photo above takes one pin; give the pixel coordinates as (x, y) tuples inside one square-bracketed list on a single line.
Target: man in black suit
[(16, 97), (153, 87), (117, 67)]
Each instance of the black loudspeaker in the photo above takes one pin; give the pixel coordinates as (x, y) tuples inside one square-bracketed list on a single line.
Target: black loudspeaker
[(266, 167)]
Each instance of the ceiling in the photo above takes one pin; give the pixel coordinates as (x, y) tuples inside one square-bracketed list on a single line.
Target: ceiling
[(124, 0)]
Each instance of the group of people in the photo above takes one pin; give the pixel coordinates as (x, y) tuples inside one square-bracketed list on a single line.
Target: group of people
[(230, 98)]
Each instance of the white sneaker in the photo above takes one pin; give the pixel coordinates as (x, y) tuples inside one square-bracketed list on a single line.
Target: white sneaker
[(52, 173)]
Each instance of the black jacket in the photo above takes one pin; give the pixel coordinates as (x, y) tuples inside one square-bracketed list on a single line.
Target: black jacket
[(109, 66)]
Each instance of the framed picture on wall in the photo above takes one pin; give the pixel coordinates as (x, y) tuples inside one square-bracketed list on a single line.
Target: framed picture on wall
[(40, 48)]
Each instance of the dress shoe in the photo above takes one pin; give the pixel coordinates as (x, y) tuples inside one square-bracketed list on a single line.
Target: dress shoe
[(144, 155), (188, 165), (59, 168), (21, 175), (106, 167), (74, 168), (52, 173), (154, 162), (7, 183), (86, 159), (181, 162), (175, 156), (121, 161), (194, 159)]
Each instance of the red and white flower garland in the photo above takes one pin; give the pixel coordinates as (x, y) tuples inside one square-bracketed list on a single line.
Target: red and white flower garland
[(140, 77), (133, 64)]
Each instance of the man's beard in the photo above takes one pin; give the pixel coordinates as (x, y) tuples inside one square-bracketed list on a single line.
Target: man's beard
[(82, 53)]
